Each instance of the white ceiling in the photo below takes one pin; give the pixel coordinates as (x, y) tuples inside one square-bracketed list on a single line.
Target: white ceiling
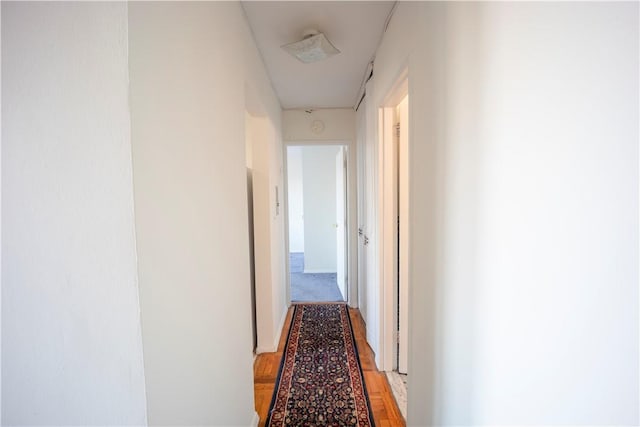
[(354, 27)]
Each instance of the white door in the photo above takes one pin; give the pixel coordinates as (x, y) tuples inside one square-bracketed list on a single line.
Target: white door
[(361, 173), (373, 319), (340, 223)]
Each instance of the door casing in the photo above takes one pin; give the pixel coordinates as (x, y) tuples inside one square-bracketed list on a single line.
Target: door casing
[(351, 297), (387, 222)]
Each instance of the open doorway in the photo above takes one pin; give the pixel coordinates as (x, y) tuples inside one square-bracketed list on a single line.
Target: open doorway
[(401, 288), (317, 218), (394, 116)]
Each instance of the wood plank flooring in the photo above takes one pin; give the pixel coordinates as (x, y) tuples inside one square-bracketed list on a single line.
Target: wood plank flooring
[(383, 404)]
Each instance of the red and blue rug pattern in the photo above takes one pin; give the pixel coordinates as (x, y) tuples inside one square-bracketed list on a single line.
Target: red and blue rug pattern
[(320, 382)]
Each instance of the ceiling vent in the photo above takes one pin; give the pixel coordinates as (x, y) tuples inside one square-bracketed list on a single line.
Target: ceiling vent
[(312, 48)]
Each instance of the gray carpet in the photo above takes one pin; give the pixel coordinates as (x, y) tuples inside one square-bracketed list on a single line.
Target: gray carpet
[(311, 287)]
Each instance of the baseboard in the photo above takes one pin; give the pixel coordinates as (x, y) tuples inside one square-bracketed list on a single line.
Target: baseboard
[(274, 347), (260, 350), (256, 420), (308, 271), (266, 349)]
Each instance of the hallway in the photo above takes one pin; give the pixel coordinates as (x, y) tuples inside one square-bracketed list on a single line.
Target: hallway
[(383, 404), (142, 271)]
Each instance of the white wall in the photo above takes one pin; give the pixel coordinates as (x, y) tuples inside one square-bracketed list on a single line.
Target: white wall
[(189, 99), (524, 209), (71, 340), (319, 192), (339, 126), (257, 132), (266, 132), (269, 230), (295, 199)]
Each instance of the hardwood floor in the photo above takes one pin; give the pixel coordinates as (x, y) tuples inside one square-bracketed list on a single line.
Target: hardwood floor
[(383, 404)]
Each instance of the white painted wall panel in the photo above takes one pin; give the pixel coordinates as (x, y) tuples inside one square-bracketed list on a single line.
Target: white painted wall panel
[(524, 210), (71, 338), (190, 93), (339, 124)]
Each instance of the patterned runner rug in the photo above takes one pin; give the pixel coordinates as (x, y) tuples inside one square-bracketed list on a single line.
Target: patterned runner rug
[(320, 382)]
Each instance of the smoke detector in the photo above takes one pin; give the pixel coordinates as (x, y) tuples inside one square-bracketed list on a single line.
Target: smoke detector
[(312, 48)]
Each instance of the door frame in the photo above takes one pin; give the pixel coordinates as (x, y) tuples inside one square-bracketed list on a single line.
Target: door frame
[(387, 220), (352, 295), (341, 196)]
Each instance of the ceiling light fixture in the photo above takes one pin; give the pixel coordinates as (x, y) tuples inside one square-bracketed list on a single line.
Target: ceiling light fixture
[(313, 47)]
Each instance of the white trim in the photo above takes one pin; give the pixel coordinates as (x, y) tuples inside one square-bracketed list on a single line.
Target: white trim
[(260, 350), (305, 142), (379, 237), (388, 248), (386, 222), (312, 271), (285, 211), (255, 421)]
